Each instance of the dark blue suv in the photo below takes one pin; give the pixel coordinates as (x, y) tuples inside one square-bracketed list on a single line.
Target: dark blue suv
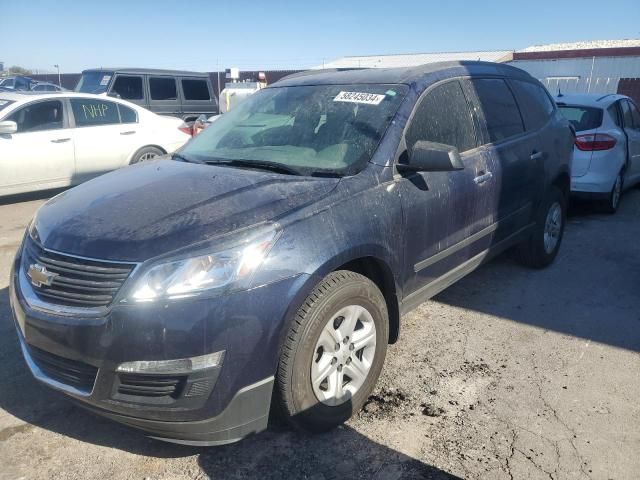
[(268, 263)]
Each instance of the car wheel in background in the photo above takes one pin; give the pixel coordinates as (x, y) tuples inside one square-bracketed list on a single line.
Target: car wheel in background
[(611, 204), (146, 153), (333, 352), (541, 248)]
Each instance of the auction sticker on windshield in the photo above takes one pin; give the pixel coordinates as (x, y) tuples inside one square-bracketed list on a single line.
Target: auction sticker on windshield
[(359, 97)]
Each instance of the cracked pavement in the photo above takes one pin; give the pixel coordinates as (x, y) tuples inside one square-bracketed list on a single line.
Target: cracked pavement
[(508, 374)]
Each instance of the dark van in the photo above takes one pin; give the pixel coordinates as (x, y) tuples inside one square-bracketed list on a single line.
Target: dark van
[(186, 95), (277, 251)]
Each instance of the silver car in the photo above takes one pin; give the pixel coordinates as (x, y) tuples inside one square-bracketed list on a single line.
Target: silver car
[(606, 159)]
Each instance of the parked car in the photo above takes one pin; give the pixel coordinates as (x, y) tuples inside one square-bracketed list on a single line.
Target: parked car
[(46, 87), (278, 249), (18, 82), (606, 158), (186, 95), (51, 140)]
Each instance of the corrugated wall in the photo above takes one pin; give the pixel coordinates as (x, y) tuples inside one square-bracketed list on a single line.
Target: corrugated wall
[(582, 75)]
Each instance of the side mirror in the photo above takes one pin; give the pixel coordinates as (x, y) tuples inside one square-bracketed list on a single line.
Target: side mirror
[(8, 127), (113, 94), (431, 157)]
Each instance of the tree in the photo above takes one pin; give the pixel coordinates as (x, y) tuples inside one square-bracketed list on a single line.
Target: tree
[(16, 70)]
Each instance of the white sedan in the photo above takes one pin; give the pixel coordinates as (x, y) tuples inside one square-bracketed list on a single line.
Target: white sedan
[(60, 139)]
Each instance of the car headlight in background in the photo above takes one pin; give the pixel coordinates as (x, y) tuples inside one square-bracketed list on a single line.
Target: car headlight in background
[(228, 269)]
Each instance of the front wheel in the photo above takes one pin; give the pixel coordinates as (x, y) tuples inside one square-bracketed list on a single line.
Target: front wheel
[(333, 353), (541, 248)]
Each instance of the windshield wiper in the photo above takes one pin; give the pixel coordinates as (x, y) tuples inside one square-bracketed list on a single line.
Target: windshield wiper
[(259, 164), (177, 156)]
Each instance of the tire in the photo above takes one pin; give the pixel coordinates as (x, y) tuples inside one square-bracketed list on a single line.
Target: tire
[(146, 153), (611, 204), (535, 252), (308, 352)]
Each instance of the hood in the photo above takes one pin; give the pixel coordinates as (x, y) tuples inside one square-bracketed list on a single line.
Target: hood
[(153, 208)]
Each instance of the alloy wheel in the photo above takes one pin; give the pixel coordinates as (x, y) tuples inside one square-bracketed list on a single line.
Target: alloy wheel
[(552, 228)]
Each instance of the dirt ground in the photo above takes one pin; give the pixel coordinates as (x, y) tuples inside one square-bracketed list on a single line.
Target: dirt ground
[(509, 374)]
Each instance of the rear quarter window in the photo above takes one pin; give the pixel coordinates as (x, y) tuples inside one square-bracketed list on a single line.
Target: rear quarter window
[(195, 89), (582, 118)]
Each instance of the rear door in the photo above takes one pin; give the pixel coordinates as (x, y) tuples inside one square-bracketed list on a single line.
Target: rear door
[(163, 95), (102, 142), (197, 97), (448, 215), (40, 154), (631, 119), (515, 154)]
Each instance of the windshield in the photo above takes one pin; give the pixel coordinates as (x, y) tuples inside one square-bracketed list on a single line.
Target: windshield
[(5, 103), (582, 118), (94, 82), (307, 129)]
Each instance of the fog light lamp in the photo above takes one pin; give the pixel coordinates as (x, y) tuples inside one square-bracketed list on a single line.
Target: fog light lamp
[(178, 366)]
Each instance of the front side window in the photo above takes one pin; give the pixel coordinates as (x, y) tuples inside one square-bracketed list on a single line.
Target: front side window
[(499, 108), (89, 112), (39, 116), (582, 118), (162, 88), (195, 89), (323, 129), (535, 104), (443, 116), (128, 87)]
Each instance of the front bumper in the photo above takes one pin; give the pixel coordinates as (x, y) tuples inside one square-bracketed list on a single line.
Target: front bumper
[(228, 402)]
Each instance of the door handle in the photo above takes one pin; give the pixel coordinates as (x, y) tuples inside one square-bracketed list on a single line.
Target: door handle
[(129, 132), (537, 155), (483, 177), (60, 140)]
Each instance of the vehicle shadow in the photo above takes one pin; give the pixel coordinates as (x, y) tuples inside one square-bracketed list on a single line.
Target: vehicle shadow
[(31, 196), (278, 453), (597, 268)]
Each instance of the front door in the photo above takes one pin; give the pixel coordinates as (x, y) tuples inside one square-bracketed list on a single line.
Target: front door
[(448, 215), (631, 119), (40, 154)]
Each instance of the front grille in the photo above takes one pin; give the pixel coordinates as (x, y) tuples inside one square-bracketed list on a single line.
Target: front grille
[(69, 372), (151, 385), (79, 282)]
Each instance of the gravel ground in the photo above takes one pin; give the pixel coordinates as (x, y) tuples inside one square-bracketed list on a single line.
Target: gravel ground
[(509, 374)]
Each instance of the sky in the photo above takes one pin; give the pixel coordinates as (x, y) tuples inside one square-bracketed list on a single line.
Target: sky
[(252, 35)]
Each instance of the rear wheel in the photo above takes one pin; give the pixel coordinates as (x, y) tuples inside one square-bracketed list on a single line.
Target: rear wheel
[(611, 204), (145, 154), (333, 353), (541, 248)]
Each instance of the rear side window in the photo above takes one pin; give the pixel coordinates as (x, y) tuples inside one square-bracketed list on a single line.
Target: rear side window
[(127, 115), (635, 115), (535, 104), (38, 116), (582, 118), (500, 111), (443, 116), (89, 112), (614, 113), (195, 89), (129, 88), (162, 88)]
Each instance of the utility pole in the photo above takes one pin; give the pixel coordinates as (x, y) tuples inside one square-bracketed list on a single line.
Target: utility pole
[(59, 81)]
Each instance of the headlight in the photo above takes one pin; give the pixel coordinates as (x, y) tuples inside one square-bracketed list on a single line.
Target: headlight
[(227, 269)]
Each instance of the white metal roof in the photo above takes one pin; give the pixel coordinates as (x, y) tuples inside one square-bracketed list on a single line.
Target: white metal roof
[(551, 47), (414, 59)]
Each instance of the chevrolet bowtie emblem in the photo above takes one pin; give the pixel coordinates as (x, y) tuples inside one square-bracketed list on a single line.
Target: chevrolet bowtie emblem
[(40, 276)]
